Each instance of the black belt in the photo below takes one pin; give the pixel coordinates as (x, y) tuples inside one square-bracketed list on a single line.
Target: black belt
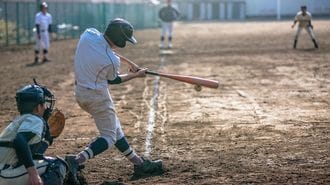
[(8, 144)]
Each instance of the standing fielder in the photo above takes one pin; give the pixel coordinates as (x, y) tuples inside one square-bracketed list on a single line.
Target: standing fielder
[(168, 14), (24, 141), (43, 21), (305, 22), (96, 65)]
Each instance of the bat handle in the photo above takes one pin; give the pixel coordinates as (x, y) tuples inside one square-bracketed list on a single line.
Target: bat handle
[(151, 73)]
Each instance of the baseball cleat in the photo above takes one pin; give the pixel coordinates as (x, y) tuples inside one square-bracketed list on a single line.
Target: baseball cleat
[(161, 46), (45, 60), (73, 169), (148, 168)]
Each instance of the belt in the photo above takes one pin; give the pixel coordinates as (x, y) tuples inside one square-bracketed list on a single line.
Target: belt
[(43, 30)]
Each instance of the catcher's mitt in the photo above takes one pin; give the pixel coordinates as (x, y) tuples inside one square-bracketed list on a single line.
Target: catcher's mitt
[(56, 123)]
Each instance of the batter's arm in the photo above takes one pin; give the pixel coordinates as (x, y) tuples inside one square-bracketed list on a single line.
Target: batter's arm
[(128, 76), (133, 67)]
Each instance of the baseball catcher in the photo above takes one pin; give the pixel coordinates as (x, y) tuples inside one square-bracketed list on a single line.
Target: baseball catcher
[(305, 22), (24, 141)]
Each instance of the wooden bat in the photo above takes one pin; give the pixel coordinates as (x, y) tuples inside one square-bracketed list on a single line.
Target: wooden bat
[(188, 79), (183, 78)]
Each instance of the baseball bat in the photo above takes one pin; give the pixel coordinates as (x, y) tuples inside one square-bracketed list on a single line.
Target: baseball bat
[(183, 78), (188, 79)]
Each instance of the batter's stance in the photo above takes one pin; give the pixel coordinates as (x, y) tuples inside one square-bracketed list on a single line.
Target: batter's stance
[(168, 14), (96, 65), (25, 140), (43, 21), (305, 22)]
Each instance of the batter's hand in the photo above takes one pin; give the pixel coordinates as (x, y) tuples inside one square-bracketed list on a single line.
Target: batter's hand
[(134, 68), (141, 72), (34, 178)]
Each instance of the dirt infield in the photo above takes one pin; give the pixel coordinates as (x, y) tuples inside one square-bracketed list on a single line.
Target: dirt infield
[(267, 123)]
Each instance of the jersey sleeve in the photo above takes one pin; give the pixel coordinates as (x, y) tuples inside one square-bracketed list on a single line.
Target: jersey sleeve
[(296, 17), (35, 125), (37, 19)]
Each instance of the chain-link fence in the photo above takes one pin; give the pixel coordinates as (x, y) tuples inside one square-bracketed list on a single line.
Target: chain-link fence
[(70, 18)]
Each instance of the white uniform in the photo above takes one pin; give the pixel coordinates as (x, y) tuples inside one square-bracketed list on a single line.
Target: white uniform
[(303, 23), (95, 63), (43, 20), (10, 172)]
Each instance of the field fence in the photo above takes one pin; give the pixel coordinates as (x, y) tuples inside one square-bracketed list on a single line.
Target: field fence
[(17, 24)]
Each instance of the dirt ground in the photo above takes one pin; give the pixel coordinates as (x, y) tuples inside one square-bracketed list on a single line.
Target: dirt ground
[(267, 123)]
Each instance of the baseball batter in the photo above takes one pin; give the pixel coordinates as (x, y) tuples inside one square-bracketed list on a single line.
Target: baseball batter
[(168, 14), (95, 66), (25, 140), (43, 21), (305, 22)]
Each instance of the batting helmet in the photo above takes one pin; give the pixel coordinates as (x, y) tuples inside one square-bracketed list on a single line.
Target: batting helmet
[(30, 96), (119, 31)]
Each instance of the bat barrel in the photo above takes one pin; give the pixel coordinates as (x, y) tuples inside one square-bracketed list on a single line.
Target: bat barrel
[(188, 79)]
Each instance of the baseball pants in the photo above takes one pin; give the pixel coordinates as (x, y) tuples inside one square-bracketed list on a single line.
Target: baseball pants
[(309, 31), (167, 27), (99, 104), (43, 42)]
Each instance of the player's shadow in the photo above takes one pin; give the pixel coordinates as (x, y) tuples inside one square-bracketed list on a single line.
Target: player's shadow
[(307, 49), (36, 64), (112, 183), (157, 173)]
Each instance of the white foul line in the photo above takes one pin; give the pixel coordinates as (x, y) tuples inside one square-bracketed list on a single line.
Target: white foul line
[(152, 114)]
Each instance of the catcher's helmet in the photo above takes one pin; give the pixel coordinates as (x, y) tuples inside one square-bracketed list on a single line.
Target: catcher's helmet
[(28, 97), (119, 31)]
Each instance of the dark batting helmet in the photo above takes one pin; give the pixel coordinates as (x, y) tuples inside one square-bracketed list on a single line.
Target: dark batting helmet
[(119, 31), (28, 97)]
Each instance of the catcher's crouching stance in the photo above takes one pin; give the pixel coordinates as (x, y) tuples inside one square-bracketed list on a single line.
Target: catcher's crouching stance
[(25, 140)]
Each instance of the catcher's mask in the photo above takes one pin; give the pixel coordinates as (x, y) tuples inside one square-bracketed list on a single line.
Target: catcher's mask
[(119, 31), (28, 97)]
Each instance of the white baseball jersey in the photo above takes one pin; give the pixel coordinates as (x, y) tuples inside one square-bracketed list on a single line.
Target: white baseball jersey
[(303, 19), (95, 62), (44, 20), (23, 123)]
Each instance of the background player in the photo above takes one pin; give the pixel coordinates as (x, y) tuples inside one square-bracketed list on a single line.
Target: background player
[(168, 14), (43, 21), (24, 141), (305, 22), (96, 65)]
